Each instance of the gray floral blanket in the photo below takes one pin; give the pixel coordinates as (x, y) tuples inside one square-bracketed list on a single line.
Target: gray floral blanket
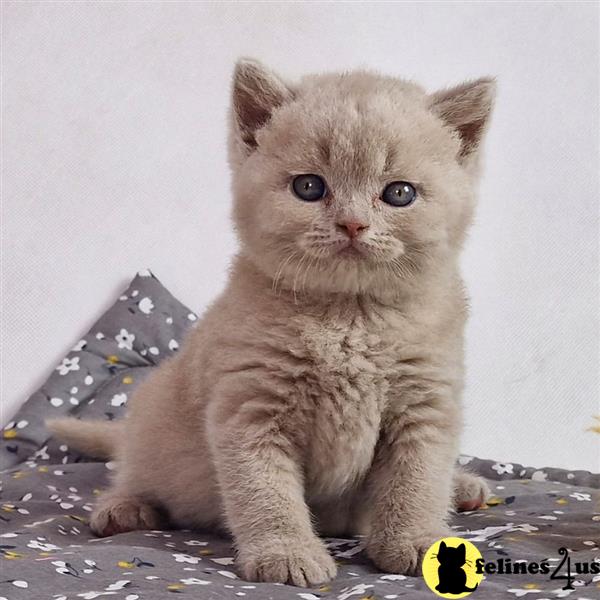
[(535, 516)]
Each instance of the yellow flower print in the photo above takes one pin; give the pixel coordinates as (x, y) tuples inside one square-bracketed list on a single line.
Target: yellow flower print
[(596, 427), (124, 564)]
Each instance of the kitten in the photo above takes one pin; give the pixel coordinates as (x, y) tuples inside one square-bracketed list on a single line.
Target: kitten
[(321, 392)]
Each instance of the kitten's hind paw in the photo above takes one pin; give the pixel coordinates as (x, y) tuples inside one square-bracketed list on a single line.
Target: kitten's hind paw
[(120, 514), (303, 565), (470, 491)]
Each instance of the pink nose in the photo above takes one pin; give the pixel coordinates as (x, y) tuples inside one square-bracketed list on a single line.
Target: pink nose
[(352, 228)]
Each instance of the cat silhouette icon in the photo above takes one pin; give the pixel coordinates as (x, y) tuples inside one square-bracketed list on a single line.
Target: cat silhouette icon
[(453, 579)]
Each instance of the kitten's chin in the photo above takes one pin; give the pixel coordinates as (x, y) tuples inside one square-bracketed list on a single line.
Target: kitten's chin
[(350, 270), (352, 253)]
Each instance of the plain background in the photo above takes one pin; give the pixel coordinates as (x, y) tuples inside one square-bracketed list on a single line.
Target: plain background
[(114, 127)]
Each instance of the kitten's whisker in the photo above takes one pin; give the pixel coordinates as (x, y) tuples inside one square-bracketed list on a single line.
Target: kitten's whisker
[(308, 268), (297, 273), (279, 272)]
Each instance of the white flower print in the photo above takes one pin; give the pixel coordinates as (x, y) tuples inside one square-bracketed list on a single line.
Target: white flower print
[(118, 585), (226, 560), (502, 468), (519, 593), (186, 558), (195, 543), (194, 581), (68, 364), (119, 399), (357, 590), (56, 401), (43, 546), (42, 453), (228, 574), (581, 497), (539, 476), (173, 345), (464, 460), (79, 346), (125, 339), (20, 583), (146, 305), (192, 316), (145, 273)]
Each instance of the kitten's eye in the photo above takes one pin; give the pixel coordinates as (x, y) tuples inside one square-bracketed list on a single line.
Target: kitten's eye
[(309, 188), (399, 193)]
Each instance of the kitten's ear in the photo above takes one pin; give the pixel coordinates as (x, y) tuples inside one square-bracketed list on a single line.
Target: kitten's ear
[(257, 92), (442, 546), (462, 549), (466, 108)]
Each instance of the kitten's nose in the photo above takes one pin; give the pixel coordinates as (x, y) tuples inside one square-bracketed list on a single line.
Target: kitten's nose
[(352, 228)]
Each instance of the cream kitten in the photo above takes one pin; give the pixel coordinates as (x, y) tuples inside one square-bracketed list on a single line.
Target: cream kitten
[(321, 391)]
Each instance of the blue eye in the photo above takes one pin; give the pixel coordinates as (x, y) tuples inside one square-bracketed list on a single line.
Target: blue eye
[(399, 193), (309, 188)]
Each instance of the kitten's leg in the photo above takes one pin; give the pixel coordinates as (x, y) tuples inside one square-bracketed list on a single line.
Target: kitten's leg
[(470, 491), (262, 492), (118, 513), (410, 485)]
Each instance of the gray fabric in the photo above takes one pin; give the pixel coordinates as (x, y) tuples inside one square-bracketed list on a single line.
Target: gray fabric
[(48, 492), (145, 325)]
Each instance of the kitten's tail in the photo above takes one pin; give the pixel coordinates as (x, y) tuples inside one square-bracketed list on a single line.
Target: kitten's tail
[(99, 439), (467, 589)]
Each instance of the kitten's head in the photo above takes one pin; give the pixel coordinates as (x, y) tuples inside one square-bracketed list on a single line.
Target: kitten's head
[(352, 182)]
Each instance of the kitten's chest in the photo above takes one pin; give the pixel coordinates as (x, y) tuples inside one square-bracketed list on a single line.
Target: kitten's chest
[(352, 364)]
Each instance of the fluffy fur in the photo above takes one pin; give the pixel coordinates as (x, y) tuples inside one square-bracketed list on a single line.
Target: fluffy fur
[(321, 392)]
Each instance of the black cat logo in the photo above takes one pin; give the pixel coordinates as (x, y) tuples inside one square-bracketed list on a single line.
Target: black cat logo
[(453, 579)]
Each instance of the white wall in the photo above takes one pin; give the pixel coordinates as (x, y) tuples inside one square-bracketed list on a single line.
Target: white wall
[(114, 160)]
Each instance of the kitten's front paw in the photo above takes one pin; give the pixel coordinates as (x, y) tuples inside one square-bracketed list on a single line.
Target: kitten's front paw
[(401, 554), (303, 565)]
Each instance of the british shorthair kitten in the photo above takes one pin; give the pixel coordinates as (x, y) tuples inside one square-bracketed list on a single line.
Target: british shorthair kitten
[(321, 392)]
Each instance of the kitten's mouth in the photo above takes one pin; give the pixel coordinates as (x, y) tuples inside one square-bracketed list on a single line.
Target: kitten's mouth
[(351, 250)]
